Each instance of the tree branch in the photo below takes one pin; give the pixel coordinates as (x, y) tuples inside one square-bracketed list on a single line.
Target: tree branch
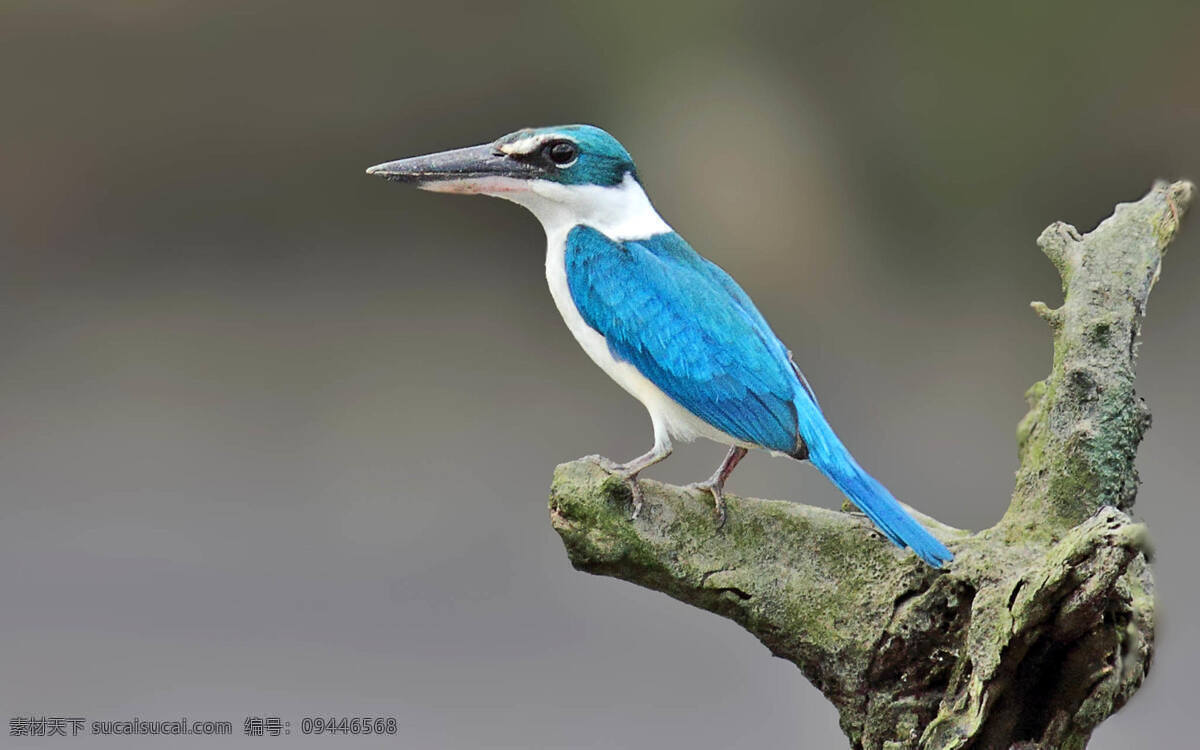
[(1041, 627)]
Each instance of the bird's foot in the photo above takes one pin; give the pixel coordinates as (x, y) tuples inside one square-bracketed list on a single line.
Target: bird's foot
[(718, 496), (635, 491), (622, 471)]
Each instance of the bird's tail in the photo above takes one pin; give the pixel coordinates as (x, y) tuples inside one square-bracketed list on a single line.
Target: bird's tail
[(827, 453)]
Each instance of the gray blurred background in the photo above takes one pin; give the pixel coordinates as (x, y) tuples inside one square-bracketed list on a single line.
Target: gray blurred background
[(276, 437)]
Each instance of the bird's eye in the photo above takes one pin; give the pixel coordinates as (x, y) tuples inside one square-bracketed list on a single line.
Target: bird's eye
[(562, 153)]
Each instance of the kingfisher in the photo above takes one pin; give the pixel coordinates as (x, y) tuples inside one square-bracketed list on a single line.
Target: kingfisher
[(672, 328)]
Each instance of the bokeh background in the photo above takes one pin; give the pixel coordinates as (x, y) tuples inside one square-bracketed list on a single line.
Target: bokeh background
[(276, 437)]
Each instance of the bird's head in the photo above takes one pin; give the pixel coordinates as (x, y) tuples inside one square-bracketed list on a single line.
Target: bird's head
[(564, 174), (563, 155)]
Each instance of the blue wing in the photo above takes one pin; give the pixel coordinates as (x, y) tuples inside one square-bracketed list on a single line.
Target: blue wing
[(691, 330)]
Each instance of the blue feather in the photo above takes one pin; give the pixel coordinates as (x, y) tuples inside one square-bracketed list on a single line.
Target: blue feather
[(690, 329)]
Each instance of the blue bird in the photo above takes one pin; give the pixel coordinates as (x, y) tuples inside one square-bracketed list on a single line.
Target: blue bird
[(669, 326)]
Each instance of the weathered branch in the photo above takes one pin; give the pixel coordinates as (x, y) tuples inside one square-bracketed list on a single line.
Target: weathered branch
[(1041, 627)]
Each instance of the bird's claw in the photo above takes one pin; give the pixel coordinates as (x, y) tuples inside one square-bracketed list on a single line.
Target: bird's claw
[(635, 490), (718, 497), (621, 471)]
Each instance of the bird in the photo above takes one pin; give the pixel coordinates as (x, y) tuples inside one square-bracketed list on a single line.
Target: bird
[(671, 327)]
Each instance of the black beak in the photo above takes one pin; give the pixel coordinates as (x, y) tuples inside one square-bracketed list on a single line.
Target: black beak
[(472, 163)]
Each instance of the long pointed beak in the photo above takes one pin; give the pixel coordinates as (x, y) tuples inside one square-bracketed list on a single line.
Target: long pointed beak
[(467, 170)]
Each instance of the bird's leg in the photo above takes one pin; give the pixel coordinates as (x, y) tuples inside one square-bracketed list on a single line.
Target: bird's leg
[(630, 470), (715, 485)]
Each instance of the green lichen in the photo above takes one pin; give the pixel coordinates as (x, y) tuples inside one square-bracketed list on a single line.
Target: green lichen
[(1033, 397)]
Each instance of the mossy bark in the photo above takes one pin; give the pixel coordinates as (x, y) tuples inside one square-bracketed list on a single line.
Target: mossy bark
[(1041, 627)]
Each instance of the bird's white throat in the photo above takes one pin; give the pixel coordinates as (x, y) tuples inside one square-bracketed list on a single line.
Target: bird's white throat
[(623, 211)]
